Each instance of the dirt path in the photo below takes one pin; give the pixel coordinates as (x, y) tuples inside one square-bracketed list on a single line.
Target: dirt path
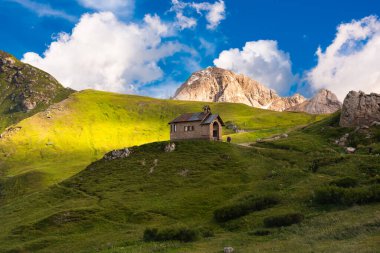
[(246, 144)]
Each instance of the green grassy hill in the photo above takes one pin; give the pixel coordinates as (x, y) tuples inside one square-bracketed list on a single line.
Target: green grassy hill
[(25, 90), (212, 194), (61, 141)]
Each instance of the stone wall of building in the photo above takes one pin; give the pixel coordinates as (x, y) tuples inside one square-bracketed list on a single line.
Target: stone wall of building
[(199, 132)]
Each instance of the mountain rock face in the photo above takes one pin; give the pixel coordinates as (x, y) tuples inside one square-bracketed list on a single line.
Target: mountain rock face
[(25, 90), (284, 103), (219, 85), (324, 102), (360, 109)]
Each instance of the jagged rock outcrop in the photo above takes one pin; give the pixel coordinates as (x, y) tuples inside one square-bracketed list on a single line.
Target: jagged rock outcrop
[(228, 250), (25, 90), (117, 154), (324, 102), (219, 85), (170, 147), (360, 109)]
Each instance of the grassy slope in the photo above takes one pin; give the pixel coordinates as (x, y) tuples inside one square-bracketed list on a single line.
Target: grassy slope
[(33, 81), (106, 207), (54, 145)]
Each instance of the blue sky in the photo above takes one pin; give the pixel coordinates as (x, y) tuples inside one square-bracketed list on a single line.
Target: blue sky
[(289, 31)]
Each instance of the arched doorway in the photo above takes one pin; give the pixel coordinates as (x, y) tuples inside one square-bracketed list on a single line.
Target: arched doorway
[(215, 131)]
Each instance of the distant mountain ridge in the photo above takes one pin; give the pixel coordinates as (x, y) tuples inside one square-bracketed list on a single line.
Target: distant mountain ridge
[(219, 85), (25, 90), (324, 102)]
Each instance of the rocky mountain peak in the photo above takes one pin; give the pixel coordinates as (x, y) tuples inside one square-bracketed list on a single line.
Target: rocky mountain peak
[(324, 102), (219, 85), (326, 94)]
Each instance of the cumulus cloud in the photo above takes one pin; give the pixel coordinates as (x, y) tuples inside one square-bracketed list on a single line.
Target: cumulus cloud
[(106, 54), (351, 61), (44, 10), (121, 7), (215, 13), (261, 60)]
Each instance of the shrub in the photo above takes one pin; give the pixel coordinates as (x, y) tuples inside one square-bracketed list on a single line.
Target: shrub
[(355, 140), (244, 207), (182, 234), (347, 196), (328, 195), (325, 161), (206, 232), (260, 232), (374, 180), (370, 170), (150, 234), (314, 167), (346, 182), (283, 220), (376, 135)]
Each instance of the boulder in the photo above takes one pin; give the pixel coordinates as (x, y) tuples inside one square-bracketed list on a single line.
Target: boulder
[(228, 250), (117, 154), (350, 150), (375, 123), (28, 104), (170, 147), (342, 141), (360, 109)]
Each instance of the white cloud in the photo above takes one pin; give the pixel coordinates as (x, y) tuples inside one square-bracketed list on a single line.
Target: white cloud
[(106, 54), (215, 13), (120, 7), (261, 60), (45, 10), (351, 61), (183, 22)]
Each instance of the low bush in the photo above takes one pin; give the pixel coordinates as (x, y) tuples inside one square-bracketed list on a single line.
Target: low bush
[(347, 196), (346, 182), (325, 161), (314, 167), (376, 134), (182, 234), (374, 180), (244, 207), (328, 195), (150, 234), (355, 140), (206, 232), (370, 170), (283, 220), (260, 232)]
